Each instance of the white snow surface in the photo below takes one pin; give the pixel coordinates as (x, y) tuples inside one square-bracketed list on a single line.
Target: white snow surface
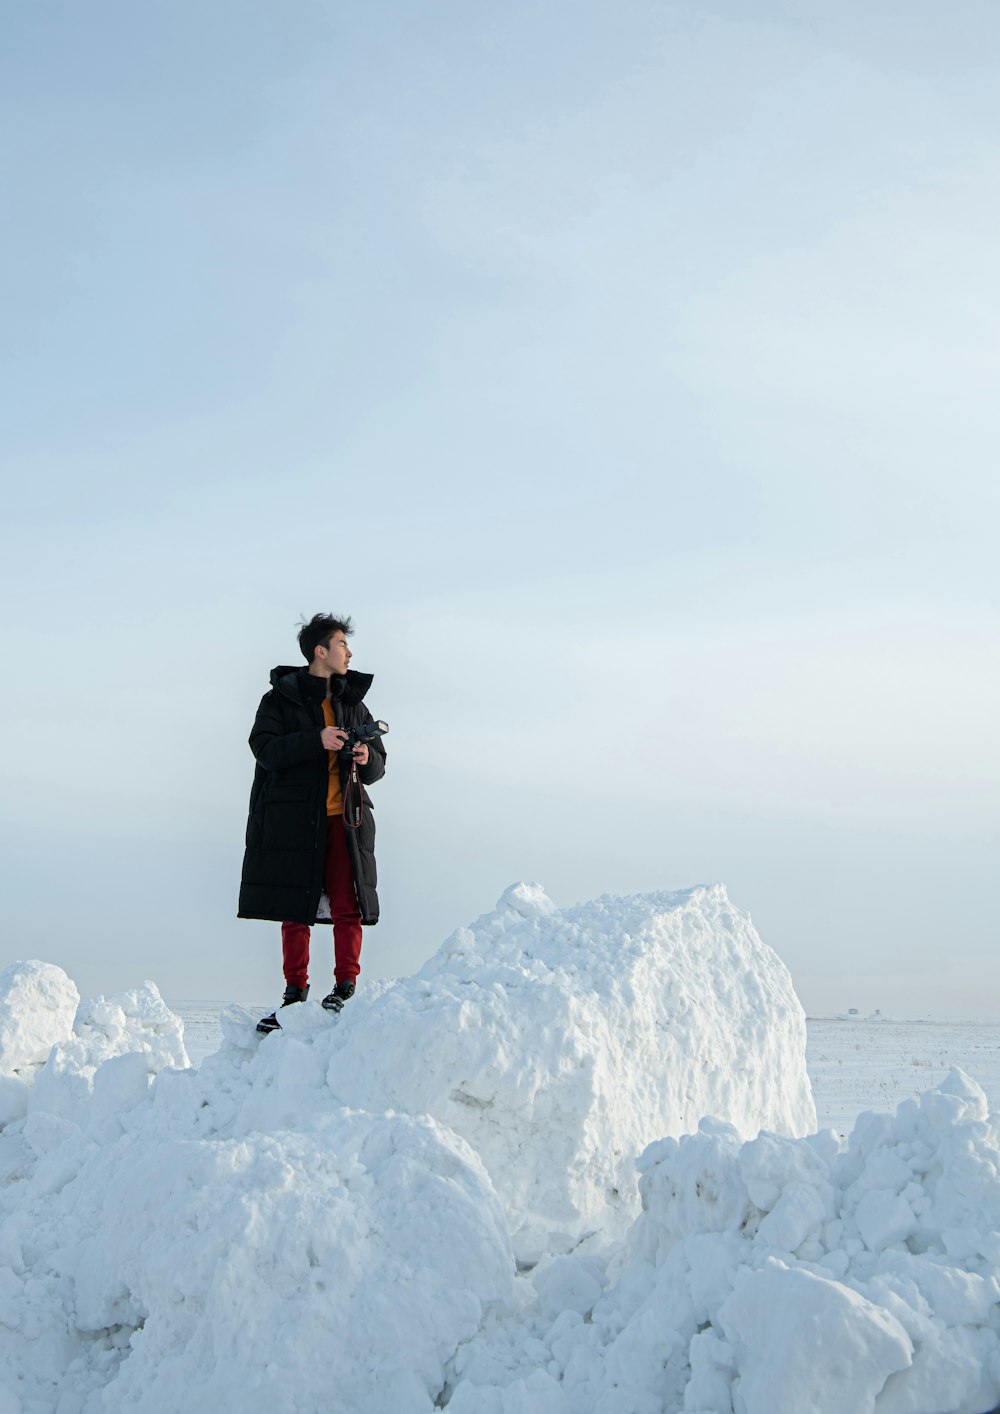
[(326, 1218)]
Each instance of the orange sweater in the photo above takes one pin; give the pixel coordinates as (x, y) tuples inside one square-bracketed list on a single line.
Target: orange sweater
[(334, 798)]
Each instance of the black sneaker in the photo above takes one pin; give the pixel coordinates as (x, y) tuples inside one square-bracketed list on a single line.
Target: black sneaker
[(292, 994), (341, 993)]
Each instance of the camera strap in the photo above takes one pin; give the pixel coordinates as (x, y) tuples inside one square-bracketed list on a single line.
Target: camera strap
[(354, 801)]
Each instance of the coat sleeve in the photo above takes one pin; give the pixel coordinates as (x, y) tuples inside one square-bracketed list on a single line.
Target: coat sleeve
[(374, 769), (277, 749)]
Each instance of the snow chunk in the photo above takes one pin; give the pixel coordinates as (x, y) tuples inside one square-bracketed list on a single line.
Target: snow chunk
[(883, 1219), (527, 901), (37, 1005), (559, 1042), (803, 1342)]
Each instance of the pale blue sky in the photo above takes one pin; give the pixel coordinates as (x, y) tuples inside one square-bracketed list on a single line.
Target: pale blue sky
[(628, 372)]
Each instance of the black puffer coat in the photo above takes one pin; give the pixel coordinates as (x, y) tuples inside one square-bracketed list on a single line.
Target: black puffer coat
[(286, 832)]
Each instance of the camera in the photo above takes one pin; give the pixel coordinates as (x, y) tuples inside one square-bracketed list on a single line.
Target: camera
[(363, 733)]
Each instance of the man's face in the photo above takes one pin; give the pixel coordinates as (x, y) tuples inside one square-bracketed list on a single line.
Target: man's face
[(337, 656)]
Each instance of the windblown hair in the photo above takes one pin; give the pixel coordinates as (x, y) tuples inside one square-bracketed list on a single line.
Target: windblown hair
[(319, 630)]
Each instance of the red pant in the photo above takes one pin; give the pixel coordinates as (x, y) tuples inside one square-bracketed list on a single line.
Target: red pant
[(339, 881)]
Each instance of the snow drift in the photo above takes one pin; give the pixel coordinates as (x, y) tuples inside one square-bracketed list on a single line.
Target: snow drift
[(322, 1219)]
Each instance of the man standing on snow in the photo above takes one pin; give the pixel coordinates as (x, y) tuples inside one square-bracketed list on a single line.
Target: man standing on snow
[(303, 858)]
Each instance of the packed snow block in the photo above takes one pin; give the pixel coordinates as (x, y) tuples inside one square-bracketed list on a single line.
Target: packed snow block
[(559, 1042), (38, 1004)]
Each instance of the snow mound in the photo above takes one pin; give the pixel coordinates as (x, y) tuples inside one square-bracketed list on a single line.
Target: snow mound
[(321, 1219), (336, 1267), (158, 1254), (559, 1042), (777, 1275)]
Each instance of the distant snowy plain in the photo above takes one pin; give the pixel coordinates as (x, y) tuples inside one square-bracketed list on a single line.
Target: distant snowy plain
[(574, 1165)]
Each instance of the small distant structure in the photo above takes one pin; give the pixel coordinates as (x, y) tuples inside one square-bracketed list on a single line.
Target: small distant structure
[(852, 1011)]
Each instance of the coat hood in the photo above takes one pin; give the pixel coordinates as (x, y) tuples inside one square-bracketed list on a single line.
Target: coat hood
[(303, 686)]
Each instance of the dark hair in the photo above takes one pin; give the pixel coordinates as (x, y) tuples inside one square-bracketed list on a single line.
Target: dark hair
[(319, 630)]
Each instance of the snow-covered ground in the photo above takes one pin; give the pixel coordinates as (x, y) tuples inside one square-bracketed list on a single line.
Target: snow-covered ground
[(570, 1167), (874, 1065)]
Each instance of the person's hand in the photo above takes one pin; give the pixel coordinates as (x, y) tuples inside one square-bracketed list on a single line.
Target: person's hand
[(333, 738), (361, 753)]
